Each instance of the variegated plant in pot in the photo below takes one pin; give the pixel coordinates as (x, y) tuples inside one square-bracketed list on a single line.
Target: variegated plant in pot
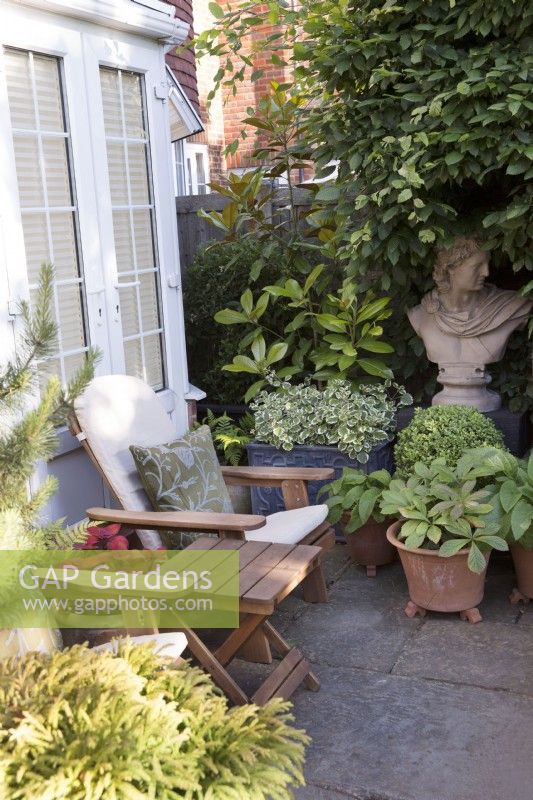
[(353, 501), (512, 493), (445, 532)]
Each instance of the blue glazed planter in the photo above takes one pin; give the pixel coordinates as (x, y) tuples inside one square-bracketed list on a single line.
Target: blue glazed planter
[(268, 500)]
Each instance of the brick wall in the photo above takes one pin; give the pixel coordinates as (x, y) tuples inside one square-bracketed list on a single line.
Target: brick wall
[(213, 120), (249, 94)]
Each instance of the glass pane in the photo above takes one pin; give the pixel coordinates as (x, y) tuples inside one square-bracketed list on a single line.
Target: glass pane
[(144, 243), (138, 174), (65, 253), (28, 171), (48, 91), (152, 356), (47, 369), (133, 223), (111, 102), (149, 304), (35, 243), (200, 171), (56, 171), (123, 243), (133, 111), (128, 311), (42, 157), (73, 363), (70, 317), (133, 358), (19, 92), (116, 160)]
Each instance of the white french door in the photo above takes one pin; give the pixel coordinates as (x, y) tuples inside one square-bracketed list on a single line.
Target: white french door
[(89, 188), (86, 183)]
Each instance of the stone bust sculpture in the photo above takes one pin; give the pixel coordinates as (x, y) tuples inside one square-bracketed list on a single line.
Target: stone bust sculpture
[(465, 324)]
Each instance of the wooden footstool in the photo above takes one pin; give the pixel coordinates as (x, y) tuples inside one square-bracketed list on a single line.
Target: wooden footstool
[(267, 574)]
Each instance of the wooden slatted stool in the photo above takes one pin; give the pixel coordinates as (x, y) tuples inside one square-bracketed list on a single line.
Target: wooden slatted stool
[(267, 573)]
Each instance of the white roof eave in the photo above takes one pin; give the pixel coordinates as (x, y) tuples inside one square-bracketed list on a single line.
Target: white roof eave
[(149, 18)]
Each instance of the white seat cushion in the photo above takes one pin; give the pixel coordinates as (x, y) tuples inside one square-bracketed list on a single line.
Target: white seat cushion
[(289, 527), (167, 644)]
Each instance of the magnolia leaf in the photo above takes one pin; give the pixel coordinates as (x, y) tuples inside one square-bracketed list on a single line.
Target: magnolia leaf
[(253, 390), (331, 323), (259, 348), (230, 317), (247, 301), (276, 352), (242, 364), (375, 367), (215, 10)]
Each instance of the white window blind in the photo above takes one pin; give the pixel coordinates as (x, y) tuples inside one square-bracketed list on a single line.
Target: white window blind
[(41, 142), (130, 179)]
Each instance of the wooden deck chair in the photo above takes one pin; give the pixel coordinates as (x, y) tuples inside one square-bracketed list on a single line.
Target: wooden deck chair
[(116, 411)]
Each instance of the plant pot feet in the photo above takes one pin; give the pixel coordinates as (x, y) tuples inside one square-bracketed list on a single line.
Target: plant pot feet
[(471, 615), (411, 610), (370, 571), (517, 597)]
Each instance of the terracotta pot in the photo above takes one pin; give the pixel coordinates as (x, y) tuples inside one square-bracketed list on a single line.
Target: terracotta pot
[(439, 583), (523, 566), (368, 545)]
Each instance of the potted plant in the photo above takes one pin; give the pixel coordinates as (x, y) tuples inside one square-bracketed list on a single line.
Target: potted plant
[(444, 536), (338, 426), (353, 499), (87, 724), (512, 492)]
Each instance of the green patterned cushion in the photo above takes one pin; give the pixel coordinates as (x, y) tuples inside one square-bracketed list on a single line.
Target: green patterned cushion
[(183, 475)]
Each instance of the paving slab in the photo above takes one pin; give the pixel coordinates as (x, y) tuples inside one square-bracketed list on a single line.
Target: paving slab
[(489, 654), (351, 630), (403, 738)]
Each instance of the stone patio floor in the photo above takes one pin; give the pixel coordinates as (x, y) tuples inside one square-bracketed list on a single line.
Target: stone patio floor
[(412, 709)]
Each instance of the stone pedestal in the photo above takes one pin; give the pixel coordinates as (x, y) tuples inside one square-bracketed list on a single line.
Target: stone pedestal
[(515, 427), (466, 385)]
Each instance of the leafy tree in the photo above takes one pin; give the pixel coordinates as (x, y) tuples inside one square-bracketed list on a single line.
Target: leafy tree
[(28, 428), (425, 107)]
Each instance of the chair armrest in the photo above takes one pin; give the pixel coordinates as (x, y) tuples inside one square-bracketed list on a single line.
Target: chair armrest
[(187, 520), (274, 476)]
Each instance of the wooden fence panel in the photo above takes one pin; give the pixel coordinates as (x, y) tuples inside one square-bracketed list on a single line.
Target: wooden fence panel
[(193, 231)]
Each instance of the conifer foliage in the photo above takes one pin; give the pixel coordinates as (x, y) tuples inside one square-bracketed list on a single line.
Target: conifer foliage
[(87, 725), (28, 426)]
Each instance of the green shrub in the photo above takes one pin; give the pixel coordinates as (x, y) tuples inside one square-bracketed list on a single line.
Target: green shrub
[(216, 279), (443, 432), (88, 725)]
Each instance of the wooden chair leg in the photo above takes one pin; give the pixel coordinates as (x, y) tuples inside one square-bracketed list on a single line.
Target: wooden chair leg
[(314, 586)]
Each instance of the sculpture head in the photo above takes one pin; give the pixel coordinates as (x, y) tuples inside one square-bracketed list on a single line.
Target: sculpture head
[(463, 266)]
